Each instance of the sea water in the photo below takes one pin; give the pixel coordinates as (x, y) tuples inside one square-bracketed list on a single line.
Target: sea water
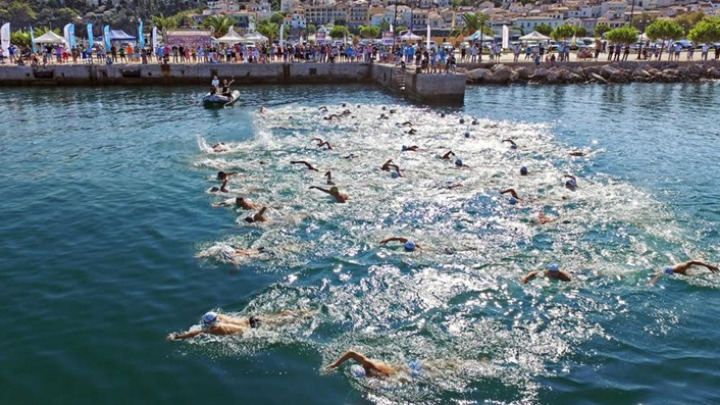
[(109, 242)]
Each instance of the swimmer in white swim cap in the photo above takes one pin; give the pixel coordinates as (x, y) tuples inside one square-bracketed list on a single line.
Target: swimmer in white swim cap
[(213, 323)]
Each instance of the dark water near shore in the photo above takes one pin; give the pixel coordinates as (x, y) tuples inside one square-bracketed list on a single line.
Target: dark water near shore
[(108, 243)]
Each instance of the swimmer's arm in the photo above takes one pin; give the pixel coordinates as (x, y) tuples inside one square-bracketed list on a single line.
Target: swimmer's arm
[(183, 335), (511, 191), (570, 176), (530, 276), (319, 188), (447, 155), (655, 279), (394, 239), (710, 267)]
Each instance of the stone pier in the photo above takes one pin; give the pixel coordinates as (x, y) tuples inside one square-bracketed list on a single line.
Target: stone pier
[(424, 88)]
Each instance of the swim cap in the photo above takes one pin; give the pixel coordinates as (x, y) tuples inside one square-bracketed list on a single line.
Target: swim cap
[(553, 267), (357, 370), (523, 171), (467, 134), (404, 147), (462, 121), (513, 200), (513, 146), (458, 162), (209, 319), (409, 246), (394, 175), (334, 189), (571, 183), (416, 369), (669, 270)]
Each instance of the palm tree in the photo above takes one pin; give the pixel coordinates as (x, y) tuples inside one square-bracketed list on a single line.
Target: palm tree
[(163, 23), (220, 24), (471, 24)]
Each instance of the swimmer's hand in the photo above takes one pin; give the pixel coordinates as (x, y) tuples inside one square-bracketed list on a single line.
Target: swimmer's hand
[(713, 269), (171, 337)]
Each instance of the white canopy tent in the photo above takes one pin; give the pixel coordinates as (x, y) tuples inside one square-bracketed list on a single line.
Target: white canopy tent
[(534, 36), (478, 35), (49, 38), (256, 36), (409, 36), (231, 37)]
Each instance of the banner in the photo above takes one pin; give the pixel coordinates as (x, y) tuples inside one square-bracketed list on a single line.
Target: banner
[(73, 40), (32, 40), (427, 42), (106, 37), (66, 34), (91, 41), (5, 39), (387, 38), (320, 37), (154, 39), (141, 37), (506, 37)]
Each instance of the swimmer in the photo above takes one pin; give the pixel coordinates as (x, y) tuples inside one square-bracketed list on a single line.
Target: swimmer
[(383, 117), (460, 165), (409, 246), (323, 108), (576, 153), (370, 368), (222, 189), (331, 117), (335, 192), (682, 268), (412, 131), (261, 110), (413, 148), (523, 171), (447, 155), (220, 147), (406, 124), (513, 145), (390, 165), (237, 202), (512, 192), (223, 175), (350, 156), (570, 184), (451, 185), (326, 143), (257, 217), (544, 219), (329, 181), (474, 122), (552, 272), (302, 162), (213, 323)]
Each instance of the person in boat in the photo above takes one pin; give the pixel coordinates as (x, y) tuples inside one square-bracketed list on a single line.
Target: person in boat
[(334, 192), (215, 82), (408, 245), (214, 323), (682, 268), (552, 272), (226, 88)]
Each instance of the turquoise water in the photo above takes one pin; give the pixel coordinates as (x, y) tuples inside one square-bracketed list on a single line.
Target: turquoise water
[(109, 243)]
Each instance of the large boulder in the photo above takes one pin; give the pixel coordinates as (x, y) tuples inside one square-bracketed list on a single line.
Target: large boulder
[(538, 75), (522, 73), (477, 75), (500, 75)]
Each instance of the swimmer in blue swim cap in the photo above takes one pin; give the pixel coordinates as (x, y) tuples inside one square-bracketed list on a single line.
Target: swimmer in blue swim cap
[(512, 143), (552, 272), (514, 199), (371, 368), (571, 183), (413, 148), (459, 164), (408, 245), (467, 134), (394, 175), (523, 171), (387, 166), (682, 268), (214, 323)]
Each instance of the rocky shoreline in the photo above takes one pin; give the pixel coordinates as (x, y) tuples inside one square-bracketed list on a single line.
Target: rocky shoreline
[(593, 72)]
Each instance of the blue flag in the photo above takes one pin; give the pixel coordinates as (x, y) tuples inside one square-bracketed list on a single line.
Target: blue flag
[(32, 39), (91, 41), (141, 37), (106, 37)]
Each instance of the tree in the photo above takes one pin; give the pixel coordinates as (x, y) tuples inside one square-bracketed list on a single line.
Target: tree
[(561, 32), (580, 31), (384, 26), (277, 18), (20, 38), (270, 29), (706, 31), (601, 29), (516, 28), (623, 35), (311, 29), (19, 14), (220, 24), (369, 32), (688, 20), (164, 23), (338, 31), (471, 24), (666, 30), (544, 29)]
